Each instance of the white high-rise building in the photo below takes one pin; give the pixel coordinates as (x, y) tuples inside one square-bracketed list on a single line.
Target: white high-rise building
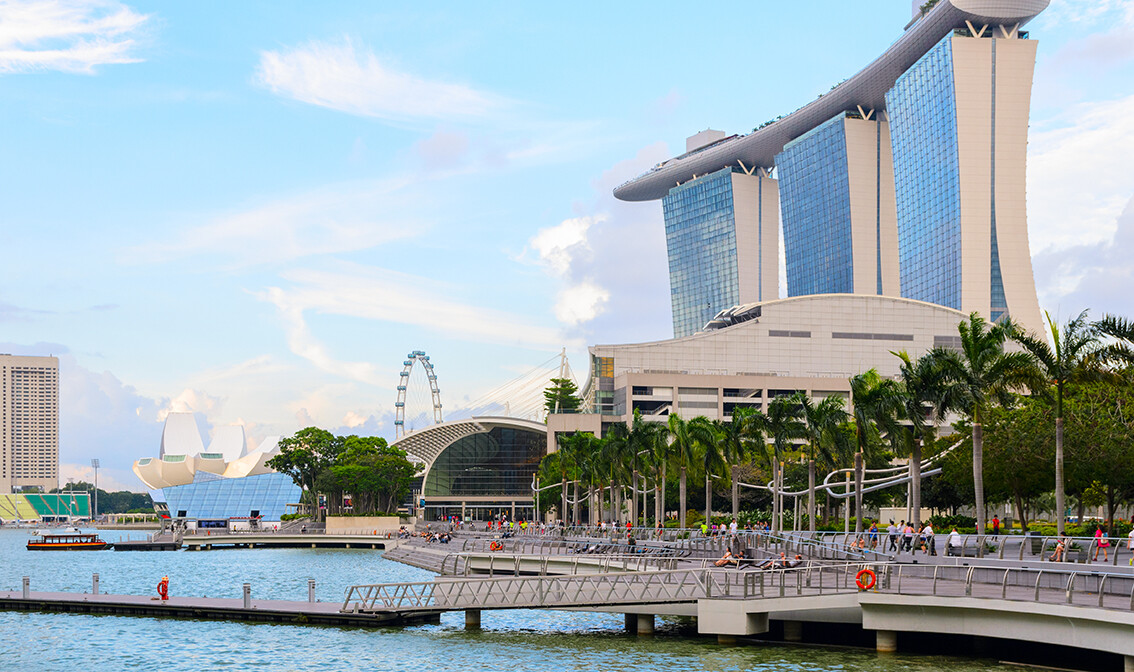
[(29, 423)]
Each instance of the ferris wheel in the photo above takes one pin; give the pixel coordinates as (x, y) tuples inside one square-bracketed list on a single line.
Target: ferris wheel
[(412, 359)]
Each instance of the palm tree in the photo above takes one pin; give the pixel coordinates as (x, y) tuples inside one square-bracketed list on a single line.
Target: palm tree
[(1078, 353), (641, 440), (980, 374), (713, 456), (924, 398), (687, 435), (737, 436), (782, 425), (821, 423), (874, 401)]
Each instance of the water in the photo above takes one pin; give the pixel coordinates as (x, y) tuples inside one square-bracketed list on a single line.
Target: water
[(514, 640)]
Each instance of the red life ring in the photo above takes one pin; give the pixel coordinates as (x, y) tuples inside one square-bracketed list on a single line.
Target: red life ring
[(163, 588), (496, 546), (865, 585)]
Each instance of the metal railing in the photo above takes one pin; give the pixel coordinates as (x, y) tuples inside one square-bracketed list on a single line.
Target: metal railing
[(557, 591), (542, 564), (1047, 586)]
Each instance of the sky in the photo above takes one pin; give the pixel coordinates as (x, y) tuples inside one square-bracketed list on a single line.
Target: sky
[(252, 211)]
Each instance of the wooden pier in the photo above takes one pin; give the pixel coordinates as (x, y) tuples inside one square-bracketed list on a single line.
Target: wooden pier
[(202, 542), (208, 608)]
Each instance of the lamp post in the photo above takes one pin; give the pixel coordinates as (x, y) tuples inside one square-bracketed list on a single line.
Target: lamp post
[(94, 513)]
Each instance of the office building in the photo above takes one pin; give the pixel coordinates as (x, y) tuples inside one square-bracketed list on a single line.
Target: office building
[(29, 423), (907, 179)]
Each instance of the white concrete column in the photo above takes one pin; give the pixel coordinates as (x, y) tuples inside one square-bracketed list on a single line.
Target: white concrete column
[(472, 619), (1129, 664), (645, 625), (886, 641)]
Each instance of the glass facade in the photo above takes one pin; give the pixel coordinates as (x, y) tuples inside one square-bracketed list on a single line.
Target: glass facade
[(923, 135), (700, 235), (212, 496), (500, 462), (815, 206)]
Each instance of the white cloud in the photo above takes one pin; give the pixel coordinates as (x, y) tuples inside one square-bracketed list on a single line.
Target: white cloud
[(66, 35), (580, 303), (1079, 175), (355, 81), (558, 245), (611, 262), (338, 218), (302, 343), (379, 294), (191, 401)]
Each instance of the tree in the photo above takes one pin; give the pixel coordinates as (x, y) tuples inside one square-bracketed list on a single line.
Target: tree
[(875, 402), (1076, 352), (782, 425), (561, 396), (981, 374), (737, 437), (923, 399), (1019, 450), (821, 426), (642, 439), (712, 462), (687, 435), (1101, 442), (305, 455)]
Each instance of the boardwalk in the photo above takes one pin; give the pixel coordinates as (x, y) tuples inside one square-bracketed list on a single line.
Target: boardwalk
[(209, 608)]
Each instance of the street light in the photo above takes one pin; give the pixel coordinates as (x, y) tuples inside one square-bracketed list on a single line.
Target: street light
[(94, 513)]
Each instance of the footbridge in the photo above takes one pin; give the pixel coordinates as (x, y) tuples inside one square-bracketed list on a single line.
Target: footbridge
[(1079, 609)]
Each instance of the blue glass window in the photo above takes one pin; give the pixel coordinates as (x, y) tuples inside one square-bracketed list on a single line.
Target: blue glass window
[(815, 206), (700, 235), (923, 135), (212, 496)]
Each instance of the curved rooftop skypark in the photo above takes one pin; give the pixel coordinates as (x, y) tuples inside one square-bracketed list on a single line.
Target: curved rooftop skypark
[(867, 89), (905, 180)]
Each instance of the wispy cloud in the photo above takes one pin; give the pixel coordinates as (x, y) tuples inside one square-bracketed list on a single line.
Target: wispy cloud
[(66, 35), (389, 296), (303, 343), (334, 219), (354, 80)]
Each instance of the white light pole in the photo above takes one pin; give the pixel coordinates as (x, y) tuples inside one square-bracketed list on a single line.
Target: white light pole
[(94, 513)]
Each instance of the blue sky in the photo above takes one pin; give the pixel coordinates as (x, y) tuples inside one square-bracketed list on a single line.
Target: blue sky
[(252, 211)]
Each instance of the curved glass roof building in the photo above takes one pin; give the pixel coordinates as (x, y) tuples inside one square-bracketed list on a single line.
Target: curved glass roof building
[(907, 179)]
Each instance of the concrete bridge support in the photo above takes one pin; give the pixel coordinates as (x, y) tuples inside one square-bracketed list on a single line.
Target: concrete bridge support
[(1129, 665), (472, 619), (886, 641), (645, 625), (793, 631)]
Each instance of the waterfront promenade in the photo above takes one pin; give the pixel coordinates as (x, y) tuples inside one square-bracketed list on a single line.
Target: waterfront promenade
[(1065, 604)]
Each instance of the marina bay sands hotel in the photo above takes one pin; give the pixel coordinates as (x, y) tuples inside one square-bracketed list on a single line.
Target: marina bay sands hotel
[(906, 180)]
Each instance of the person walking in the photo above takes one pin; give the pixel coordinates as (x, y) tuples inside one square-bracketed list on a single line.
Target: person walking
[(892, 533), (930, 542), (995, 526), (908, 538), (1102, 543)]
